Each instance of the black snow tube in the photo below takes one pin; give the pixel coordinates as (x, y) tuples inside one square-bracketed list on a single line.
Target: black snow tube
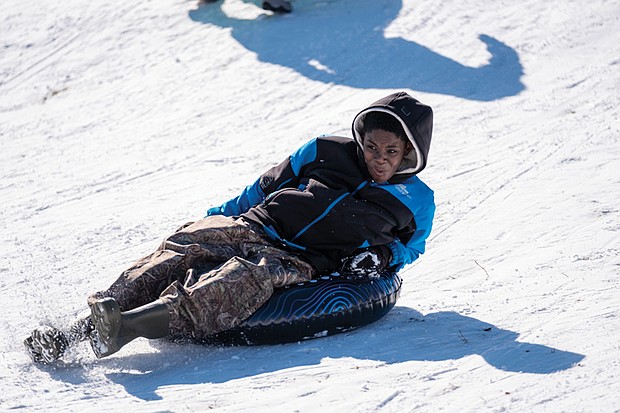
[(318, 308)]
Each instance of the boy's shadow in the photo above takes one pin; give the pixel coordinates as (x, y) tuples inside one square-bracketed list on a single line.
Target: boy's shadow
[(403, 335), (343, 42)]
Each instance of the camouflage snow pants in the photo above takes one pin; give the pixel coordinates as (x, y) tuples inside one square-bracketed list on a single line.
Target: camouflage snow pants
[(212, 274)]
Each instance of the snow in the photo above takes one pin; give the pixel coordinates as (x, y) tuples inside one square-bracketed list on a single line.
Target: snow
[(122, 120)]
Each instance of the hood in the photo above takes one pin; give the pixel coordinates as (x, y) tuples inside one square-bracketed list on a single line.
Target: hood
[(417, 121)]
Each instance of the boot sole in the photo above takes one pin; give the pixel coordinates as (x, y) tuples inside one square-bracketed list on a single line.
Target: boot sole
[(106, 318)]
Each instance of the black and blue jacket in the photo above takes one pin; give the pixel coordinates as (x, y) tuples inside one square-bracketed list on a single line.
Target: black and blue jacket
[(322, 203)]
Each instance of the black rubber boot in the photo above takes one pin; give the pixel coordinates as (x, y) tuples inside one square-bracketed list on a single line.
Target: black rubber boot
[(114, 329), (47, 344)]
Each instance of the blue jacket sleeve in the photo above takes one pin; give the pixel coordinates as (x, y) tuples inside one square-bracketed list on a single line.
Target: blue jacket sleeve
[(406, 253), (275, 178), (250, 196)]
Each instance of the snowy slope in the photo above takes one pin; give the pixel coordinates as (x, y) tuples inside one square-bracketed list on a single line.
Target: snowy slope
[(121, 120)]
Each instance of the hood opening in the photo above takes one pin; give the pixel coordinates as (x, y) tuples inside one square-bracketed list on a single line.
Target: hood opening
[(411, 162), (416, 119)]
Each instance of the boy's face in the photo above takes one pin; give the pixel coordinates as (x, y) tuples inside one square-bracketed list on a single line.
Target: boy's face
[(383, 153)]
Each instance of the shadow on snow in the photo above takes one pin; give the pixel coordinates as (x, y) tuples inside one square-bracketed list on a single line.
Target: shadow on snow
[(404, 335), (343, 42)]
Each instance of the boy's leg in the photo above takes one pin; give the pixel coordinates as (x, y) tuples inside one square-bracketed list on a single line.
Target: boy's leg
[(144, 280), (199, 244), (193, 245), (218, 300), (224, 297)]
